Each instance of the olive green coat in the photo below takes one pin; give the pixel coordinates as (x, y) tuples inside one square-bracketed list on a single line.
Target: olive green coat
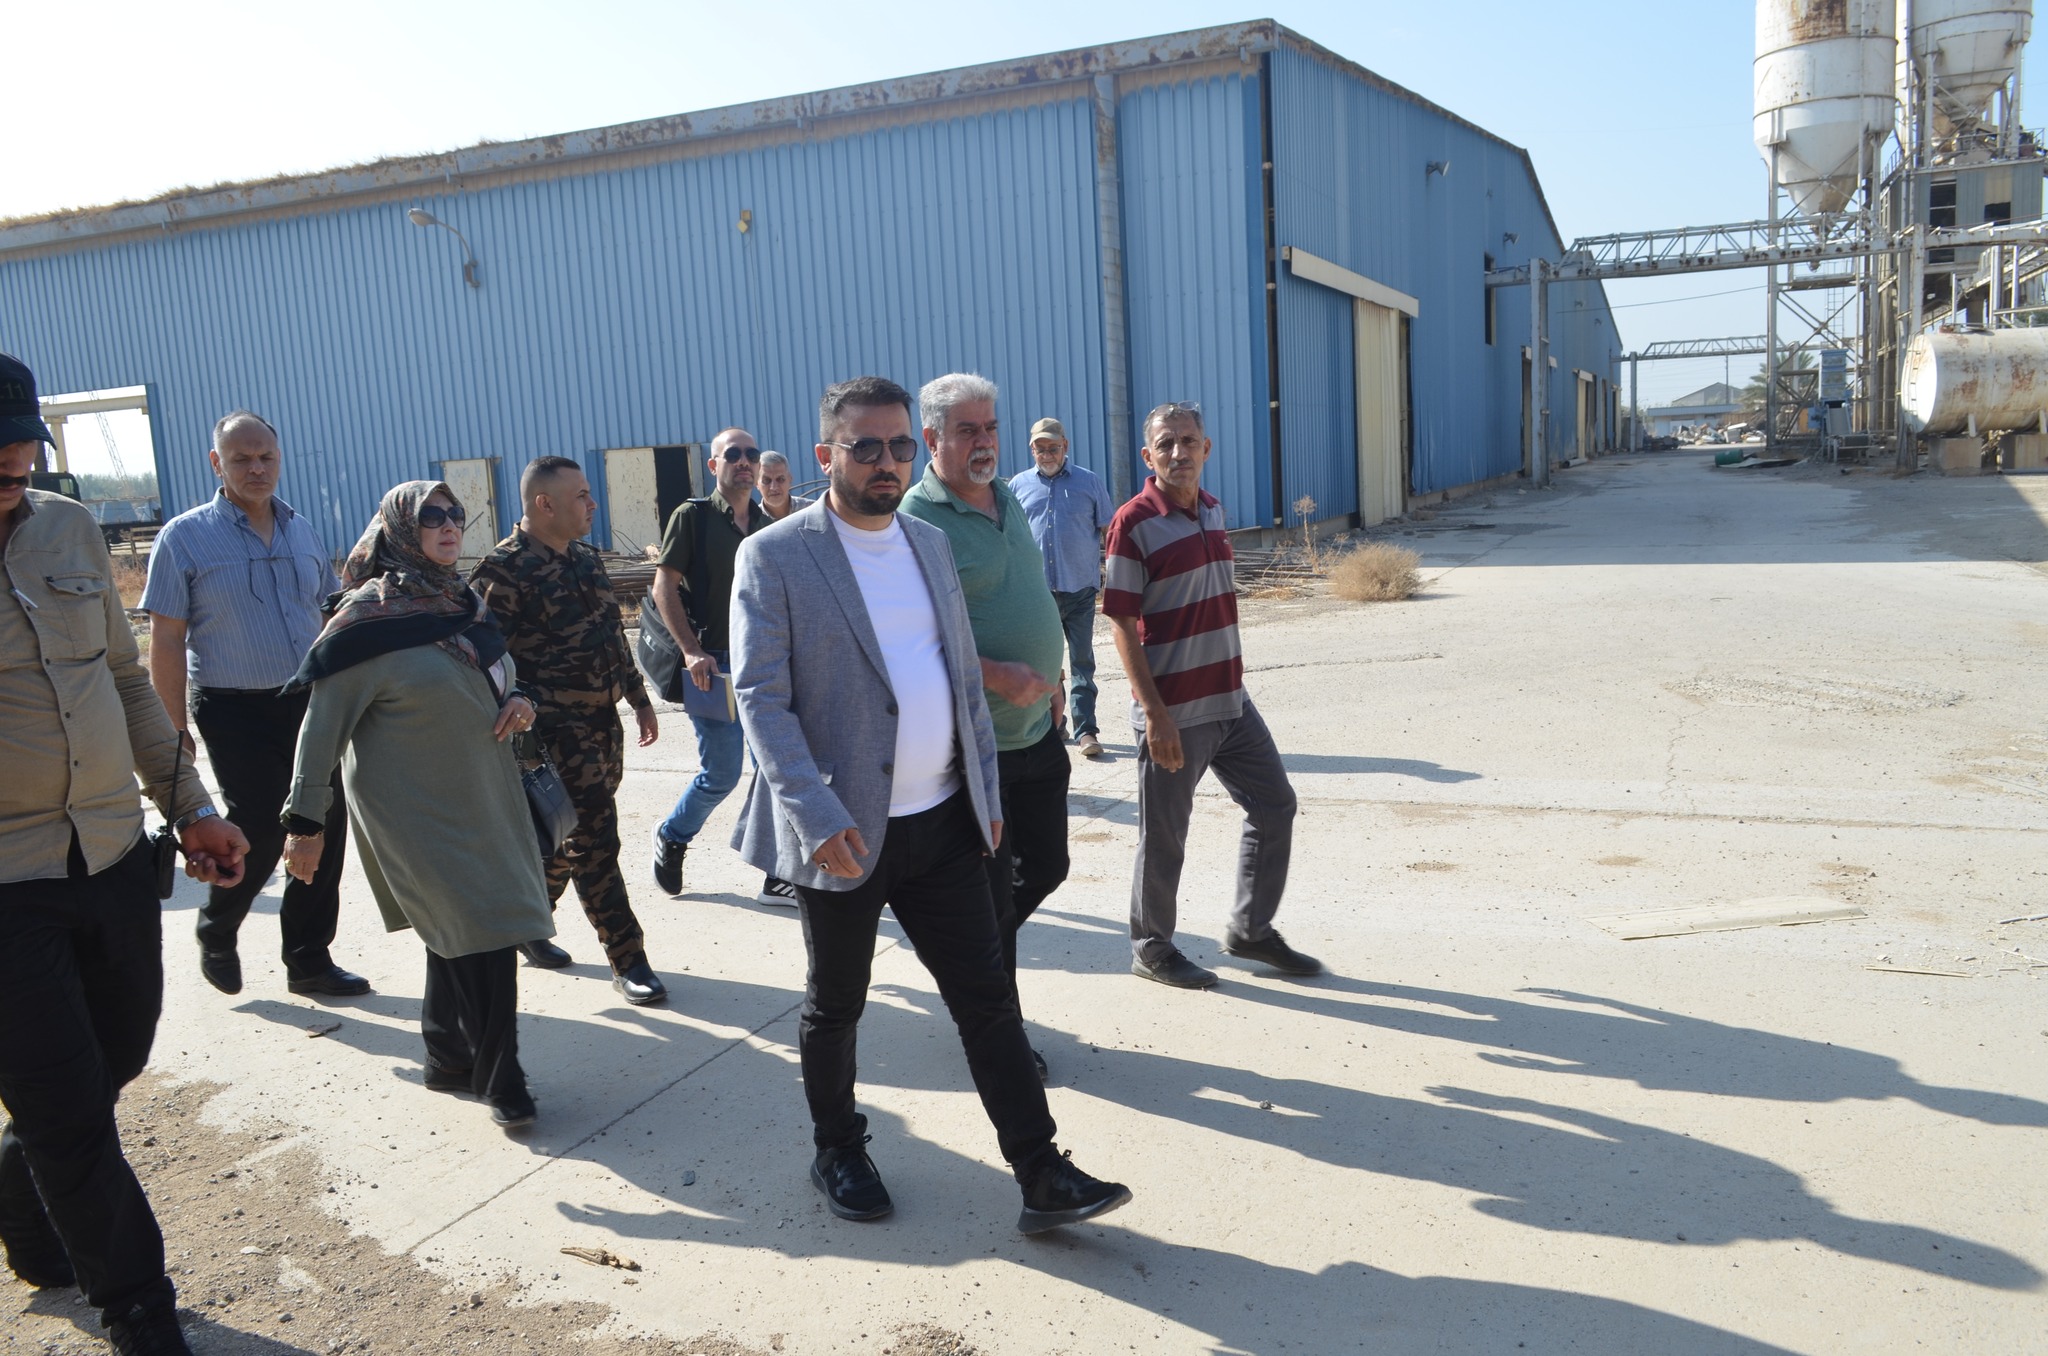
[(440, 817)]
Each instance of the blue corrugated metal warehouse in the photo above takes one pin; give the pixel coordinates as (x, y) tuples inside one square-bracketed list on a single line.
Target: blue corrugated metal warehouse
[(1235, 216)]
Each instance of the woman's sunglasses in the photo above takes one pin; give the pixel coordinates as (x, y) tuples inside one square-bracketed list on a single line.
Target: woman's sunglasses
[(433, 515)]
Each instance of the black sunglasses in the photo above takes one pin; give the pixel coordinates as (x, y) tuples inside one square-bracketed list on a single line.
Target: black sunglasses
[(433, 515), (868, 451), (743, 453)]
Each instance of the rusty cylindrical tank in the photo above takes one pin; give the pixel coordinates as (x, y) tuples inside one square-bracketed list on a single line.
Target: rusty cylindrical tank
[(1976, 383)]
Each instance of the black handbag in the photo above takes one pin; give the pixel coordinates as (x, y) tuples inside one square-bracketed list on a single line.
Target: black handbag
[(554, 814)]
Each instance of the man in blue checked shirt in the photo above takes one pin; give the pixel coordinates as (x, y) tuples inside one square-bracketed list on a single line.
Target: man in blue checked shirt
[(234, 596), (1069, 511)]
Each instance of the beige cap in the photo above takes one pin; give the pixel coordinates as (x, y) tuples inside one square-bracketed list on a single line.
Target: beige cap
[(1048, 427)]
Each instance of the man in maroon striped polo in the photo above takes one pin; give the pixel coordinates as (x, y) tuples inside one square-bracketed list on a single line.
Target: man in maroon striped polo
[(1169, 591)]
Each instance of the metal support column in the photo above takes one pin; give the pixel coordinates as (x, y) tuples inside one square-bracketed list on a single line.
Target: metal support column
[(1771, 315), (1635, 408), (1539, 372), (1109, 226)]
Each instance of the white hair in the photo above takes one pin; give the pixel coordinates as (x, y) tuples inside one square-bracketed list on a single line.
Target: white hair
[(941, 394), (769, 458)]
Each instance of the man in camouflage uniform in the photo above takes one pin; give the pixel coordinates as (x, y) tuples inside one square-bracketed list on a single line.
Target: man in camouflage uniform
[(555, 603)]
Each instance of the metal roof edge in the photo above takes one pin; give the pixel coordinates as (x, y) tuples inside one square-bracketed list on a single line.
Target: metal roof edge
[(1310, 47), (596, 144)]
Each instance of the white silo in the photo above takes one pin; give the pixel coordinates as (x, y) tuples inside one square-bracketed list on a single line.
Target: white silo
[(1975, 48), (1825, 76)]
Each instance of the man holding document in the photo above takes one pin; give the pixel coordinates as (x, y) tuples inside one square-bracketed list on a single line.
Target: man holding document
[(693, 600)]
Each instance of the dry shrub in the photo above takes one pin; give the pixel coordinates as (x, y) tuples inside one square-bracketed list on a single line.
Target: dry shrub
[(130, 574), (1378, 572)]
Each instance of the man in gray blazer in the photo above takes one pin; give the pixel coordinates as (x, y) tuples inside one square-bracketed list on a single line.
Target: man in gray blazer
[(866, 794)]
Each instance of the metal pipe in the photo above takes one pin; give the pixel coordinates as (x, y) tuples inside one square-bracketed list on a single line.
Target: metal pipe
[(1109, 228)]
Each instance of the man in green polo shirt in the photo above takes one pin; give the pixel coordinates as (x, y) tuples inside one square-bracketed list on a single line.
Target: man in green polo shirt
[(1017, 631), (693, 595)]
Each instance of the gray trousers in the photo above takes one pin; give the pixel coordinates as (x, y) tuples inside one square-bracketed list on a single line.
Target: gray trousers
[(1242, 755)]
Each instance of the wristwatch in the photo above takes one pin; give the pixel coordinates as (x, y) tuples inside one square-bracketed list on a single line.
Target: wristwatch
[(187, 821)]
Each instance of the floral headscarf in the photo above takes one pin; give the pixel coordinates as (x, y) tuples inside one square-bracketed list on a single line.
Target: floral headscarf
[(393, 598)]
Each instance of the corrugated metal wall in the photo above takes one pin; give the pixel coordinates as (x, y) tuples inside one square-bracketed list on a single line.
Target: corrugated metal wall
[(1350, 185), (618, 309), (1192, 239), (623, 307)]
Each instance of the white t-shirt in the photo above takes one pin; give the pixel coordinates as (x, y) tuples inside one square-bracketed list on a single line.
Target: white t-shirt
[(907, 625)]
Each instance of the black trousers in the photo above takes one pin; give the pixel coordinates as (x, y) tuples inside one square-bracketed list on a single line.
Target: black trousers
[(930, 872), (470, 1018), (252, 739), (81, 987), (1031, 862)]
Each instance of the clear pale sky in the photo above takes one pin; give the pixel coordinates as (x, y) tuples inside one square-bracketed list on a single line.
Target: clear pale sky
[(1637, 113)]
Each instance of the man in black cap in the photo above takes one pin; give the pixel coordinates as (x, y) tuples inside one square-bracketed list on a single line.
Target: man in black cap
[(81, 932)]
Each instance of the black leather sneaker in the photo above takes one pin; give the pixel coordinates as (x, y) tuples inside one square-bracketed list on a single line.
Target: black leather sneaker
[(640, 984), (777, 891), (1273, 951), (1060, 1194), (544, 955), (1175, 970), (438, 1079), (514, 1111), (37, 1256), (146, 1330), (852, 1187), (223, 970), (668, 864), (334, 981)]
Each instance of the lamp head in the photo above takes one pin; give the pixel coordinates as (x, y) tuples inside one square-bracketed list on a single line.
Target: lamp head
[(420, 216)]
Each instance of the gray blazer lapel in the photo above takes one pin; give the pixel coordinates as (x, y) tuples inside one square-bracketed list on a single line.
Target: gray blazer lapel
[(823, 539)]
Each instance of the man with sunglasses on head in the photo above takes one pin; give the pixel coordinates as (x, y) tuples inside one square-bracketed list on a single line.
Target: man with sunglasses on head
[(693, 597), (554, 602), (234, 597), (877, 785)]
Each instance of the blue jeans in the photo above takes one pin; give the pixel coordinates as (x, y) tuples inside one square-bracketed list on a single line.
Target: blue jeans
[(721, 745), (1077, 617)]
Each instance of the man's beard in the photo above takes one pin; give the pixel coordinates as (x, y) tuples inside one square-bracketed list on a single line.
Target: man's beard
[(979, 473), (872, 501)]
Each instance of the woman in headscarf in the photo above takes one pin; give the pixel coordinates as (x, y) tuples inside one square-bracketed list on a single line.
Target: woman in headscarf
[(412, 693)]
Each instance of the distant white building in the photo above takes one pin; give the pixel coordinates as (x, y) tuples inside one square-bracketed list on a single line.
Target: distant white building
[(1715, 406)]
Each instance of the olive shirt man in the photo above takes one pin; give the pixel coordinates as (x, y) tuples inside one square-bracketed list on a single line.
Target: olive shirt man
[(562, 626), (707, 598)]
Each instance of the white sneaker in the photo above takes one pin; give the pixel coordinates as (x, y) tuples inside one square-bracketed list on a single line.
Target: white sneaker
[(778, 892)]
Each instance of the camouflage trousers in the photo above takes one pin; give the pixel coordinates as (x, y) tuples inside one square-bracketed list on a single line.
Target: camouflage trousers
[(589, 752)]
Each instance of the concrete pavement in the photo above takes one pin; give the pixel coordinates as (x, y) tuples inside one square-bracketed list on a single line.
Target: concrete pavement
[(1493, 1124)]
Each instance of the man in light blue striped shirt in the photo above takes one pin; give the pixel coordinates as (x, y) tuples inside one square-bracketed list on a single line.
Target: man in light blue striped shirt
[(234, 596)]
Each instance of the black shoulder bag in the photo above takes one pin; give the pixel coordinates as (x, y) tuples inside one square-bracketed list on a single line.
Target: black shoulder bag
[(164, 842), (659, 656)]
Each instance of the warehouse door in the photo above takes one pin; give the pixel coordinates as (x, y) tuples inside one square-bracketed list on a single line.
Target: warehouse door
[(1382, 386), (1587, 430), (643, 486), (474, 482)]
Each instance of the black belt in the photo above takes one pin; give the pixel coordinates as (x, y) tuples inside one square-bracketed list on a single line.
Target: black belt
[(240, 691)]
